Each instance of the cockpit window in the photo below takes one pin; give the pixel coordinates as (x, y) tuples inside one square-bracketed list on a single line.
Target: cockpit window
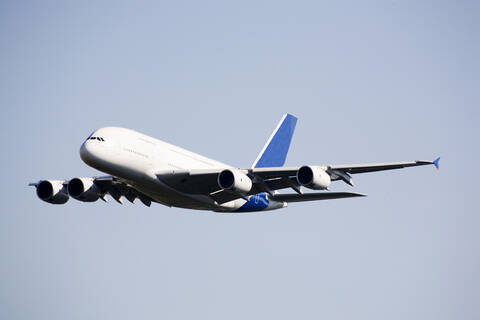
[(96, 138)]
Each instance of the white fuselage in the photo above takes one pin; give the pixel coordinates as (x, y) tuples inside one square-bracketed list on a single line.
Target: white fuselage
[(137, 159)]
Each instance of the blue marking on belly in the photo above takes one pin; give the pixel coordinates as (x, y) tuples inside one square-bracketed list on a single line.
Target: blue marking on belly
[(257, 202)]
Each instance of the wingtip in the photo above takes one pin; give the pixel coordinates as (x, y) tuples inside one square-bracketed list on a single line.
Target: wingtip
[(436, 163)]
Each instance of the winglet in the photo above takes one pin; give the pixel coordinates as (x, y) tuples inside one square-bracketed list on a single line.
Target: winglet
[(275, 150), (435, 162)]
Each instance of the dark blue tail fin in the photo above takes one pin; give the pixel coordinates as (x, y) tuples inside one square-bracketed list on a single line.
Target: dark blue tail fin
[(275, 150)]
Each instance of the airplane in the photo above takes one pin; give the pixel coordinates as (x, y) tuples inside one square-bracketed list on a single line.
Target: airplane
[(145, 168)]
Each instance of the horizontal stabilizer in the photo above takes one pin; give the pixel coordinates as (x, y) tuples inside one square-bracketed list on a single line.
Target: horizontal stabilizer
[(294, 197)]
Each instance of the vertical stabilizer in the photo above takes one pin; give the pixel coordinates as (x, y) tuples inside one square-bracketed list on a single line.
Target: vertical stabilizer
[(275, 150)]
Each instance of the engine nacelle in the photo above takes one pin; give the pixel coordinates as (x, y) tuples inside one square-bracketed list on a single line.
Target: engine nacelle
[(234, 180), (83, 189), (313, 177), (52, 191)]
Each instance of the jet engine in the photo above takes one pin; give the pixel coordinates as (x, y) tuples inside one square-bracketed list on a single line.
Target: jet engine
[(313, 177), (83, 189), (52, 191), (235, 181)]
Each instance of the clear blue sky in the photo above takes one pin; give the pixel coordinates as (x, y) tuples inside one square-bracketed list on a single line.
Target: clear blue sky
[(369, 82)]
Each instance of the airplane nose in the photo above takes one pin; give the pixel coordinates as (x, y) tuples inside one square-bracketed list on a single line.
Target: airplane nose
[(86, 152)]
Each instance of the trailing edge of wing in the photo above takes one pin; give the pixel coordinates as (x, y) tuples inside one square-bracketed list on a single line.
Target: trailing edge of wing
[(117, 189), (294, 197)]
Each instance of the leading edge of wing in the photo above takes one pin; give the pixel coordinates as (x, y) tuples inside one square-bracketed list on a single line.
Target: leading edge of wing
[(294, 197), (372, 167)]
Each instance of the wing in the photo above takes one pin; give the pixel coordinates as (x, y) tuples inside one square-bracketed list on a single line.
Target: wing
[(272, 178), (362, 168), (342, 172), (205, 182), (117, 189), (55, 191), (284, 177)]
